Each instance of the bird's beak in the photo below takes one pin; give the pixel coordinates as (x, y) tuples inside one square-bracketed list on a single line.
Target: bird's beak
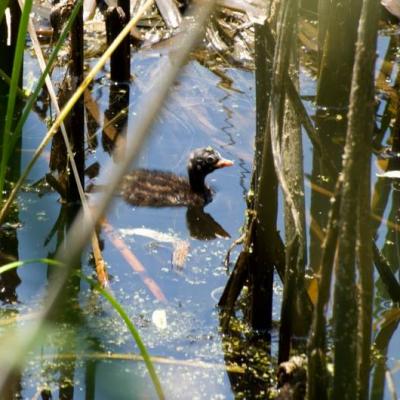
[(223, 162)]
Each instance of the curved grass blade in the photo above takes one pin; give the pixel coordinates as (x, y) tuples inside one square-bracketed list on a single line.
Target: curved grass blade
[(135, 334), (79, 235), (114, 303), (17, 264)]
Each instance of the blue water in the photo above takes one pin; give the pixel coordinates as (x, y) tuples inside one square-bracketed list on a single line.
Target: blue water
[(199, 112)]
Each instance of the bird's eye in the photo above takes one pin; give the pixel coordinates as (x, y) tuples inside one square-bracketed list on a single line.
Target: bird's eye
[(210, 159)]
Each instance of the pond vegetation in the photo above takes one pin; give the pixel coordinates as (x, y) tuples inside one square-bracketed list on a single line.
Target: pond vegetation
[(274, 278)]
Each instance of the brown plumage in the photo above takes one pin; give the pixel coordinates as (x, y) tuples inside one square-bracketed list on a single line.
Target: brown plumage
[(164, 189)]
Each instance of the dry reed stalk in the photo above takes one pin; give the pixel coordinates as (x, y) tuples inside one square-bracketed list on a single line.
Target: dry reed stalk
[(352, 347)]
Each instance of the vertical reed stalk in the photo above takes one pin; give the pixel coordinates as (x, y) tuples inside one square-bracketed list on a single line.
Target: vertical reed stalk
[(261, 264), (263, 76), (364, 78), (76, 134), (125, 45), (116, 19), (348, 360), (264, 181), (295, 250), (317, 364), (295, 315), (323, 22), (256, 260), (337, 59), (366, 272), (17, 56)]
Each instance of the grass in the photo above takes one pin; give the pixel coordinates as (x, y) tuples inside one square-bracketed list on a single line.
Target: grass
[(12, 131), (11, 135), (53, 57), (12, 95), (115, 305), (68, 107)]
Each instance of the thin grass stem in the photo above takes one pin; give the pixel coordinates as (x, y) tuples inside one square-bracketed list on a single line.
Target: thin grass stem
[(68, 107), (12, 96), (42, 79), (82, 228)]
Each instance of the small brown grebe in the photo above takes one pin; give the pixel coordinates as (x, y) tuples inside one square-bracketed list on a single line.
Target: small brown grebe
[(164, 189)]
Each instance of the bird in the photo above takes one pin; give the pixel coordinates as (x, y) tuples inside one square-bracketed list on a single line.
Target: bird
[(154, 188)]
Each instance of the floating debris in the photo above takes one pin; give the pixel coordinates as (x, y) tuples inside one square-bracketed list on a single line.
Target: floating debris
[(159, 319), (180, 247)]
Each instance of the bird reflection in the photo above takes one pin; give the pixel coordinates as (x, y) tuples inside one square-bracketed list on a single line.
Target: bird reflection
[(203, 226)]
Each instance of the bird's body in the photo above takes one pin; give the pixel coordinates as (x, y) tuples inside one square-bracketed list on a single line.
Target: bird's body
[(155, 188), (159, 189)]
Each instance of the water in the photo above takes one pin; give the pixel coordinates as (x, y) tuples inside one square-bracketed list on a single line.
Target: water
[(89, 352), (199, 112)]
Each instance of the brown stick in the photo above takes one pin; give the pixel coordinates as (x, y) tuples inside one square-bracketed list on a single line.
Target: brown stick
[(136, 265), (101, 271)]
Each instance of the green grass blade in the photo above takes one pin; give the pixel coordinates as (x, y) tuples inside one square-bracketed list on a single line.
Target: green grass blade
[(17, 65), (71, 102), (18, 264), (41, 81), (135, 334), (114, 303)]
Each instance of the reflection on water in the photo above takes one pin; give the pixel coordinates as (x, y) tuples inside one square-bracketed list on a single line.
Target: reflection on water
[(10, 280), (202, 226), (116, 120)]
